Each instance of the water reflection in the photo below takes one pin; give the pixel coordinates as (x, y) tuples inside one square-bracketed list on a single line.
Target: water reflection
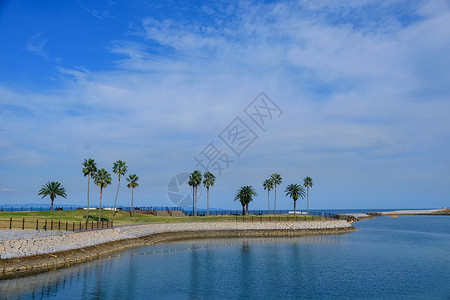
[(194, 270), (119, 276), (44, 285), (245, 272)]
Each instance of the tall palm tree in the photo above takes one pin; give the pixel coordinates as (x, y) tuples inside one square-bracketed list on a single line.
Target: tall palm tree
[(245, 196), (307, 182), (277, 180), (132, 179), (268, 185), (295, 191), (191, 183), (196, 180), (242, 200), (119, 168), (52, 189), (208, 181), (89, 170), (102, 179)]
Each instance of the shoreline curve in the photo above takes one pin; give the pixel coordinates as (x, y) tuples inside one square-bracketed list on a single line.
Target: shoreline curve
[(140, 235)]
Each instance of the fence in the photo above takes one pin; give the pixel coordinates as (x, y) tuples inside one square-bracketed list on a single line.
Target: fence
[(125, 208), (186, 211), (326, 215), (53, 225), (150, 208), (35, 208), (279, 218)]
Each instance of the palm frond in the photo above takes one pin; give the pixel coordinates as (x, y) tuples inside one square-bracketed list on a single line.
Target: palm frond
[(295, 191), (307, 182), (102, 178), (120, 168), (209, 179), (90, 167), (132, 179), (268, 184), (276, 178)]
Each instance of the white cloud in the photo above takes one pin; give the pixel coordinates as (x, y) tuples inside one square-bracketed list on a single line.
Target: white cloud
[(360, 97)]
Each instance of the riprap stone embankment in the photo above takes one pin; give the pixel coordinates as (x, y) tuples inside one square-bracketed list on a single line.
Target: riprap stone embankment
[(38, 250)]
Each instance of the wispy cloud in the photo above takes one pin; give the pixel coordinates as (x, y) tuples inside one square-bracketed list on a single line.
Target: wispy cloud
[(101, 11), (8, 190), (36, 45), (78, 75)]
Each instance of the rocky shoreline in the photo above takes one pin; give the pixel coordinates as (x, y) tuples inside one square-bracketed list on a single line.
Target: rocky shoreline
[(413, 212), (40, 253)]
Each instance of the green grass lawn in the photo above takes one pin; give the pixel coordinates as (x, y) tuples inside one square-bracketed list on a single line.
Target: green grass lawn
[(123, 218)]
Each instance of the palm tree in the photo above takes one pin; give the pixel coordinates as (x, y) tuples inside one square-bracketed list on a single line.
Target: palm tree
[(208, 181), (276, 178), (294, 191), (119, 168), (102, 179), (191, 183), (242, 200), (268, 185), (132, 179), (307, 182), (196, 180), (52, 189), (245, 196), (89, 170)]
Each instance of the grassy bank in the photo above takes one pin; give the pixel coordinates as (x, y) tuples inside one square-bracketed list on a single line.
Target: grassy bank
[(123, 218)]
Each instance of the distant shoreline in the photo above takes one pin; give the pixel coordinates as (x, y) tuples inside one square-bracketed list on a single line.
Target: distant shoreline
[(416, 212), (84, 246), (410, 212)]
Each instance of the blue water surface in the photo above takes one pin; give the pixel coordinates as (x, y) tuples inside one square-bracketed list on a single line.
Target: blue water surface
[(407, 257)]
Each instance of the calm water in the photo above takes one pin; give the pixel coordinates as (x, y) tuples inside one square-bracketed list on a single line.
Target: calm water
[(388, 258)]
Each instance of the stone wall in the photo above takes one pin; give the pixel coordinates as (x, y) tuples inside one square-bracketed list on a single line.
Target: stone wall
[(44, 253)]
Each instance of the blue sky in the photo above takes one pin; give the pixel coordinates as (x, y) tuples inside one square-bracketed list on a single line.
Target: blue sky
[(362, 90)]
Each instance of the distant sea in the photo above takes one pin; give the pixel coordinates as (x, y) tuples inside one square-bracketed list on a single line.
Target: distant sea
[(387, 258)]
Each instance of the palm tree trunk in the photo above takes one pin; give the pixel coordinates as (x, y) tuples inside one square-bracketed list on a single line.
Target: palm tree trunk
[(51, 208), (268, 200), (100, 208), (195, 200), (275, 202), (132, 192), (243, 210), (87, 215), (295, 204), (246, 208), (207, 201), (117, 193), (307, 200)]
